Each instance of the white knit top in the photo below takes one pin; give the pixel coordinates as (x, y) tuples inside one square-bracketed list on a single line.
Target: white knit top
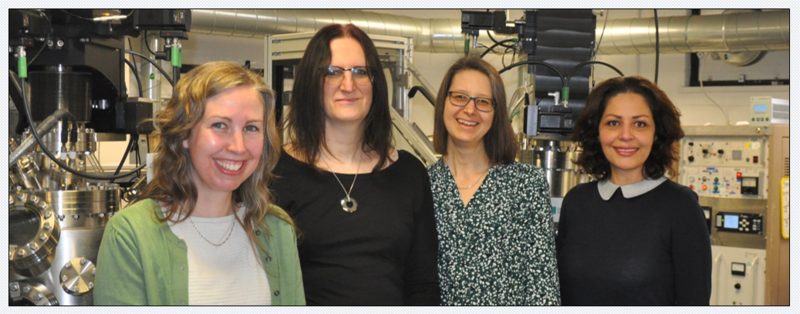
[(229, 274)]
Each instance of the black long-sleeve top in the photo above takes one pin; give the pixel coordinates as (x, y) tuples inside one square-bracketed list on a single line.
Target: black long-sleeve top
[(652, 249), (384, 253)]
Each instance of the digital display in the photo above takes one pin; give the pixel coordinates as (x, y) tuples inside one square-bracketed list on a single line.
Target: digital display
[(760, 108), (731, 222)]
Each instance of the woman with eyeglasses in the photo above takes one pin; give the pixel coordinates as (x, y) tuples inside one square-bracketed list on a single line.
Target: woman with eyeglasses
[(493, 215), (364, 208)]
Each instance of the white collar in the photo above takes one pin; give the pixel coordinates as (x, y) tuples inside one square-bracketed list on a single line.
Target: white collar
[(607, 188)]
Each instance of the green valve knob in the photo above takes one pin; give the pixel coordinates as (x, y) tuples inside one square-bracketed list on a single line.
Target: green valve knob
[(716, 188), (716, 179)]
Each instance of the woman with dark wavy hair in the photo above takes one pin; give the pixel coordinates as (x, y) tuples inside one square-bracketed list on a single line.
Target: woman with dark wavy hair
[(364, 208), (204, 229), (633, 237)]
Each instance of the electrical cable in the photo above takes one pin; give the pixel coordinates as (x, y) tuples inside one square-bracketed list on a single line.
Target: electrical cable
[(77, 16), (46, 40), (53, 158), (495, 45), (655, 17), (176, 73), (124, 157), (488, 32), (580, 65), (160, 69), (700, 78), (503, 58), (147, 43), (130, 45), (138, 156), (544, 64), (136, 74)]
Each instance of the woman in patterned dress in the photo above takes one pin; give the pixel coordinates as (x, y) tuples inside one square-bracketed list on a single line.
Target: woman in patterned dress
[(493, 215)]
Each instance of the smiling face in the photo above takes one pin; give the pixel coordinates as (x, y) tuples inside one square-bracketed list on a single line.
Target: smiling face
[(347, 101), (466, 126), (627, 132), (227, 143)]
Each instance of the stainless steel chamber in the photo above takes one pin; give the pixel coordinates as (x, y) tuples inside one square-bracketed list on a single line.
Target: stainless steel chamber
[(556, 159)]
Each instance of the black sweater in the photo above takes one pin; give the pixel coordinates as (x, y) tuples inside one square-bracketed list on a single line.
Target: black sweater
[(384, 253), (653, 249)]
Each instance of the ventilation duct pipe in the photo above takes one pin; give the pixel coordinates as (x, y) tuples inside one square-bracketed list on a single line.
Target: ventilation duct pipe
[(758, 31), (738, 32), (431, 35)]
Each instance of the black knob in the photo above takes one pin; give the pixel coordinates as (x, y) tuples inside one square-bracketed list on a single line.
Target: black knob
[(691, 143), (691, 158), (737, 286), (705, 151), (720, 152)]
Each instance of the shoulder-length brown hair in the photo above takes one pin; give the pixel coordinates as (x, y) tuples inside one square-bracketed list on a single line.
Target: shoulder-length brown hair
[(666, 116), (305, 122), (499, 142), (172, 180)]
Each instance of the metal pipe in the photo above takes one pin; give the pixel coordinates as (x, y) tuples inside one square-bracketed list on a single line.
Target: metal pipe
[(737, 32), (758, 31), (432, 35), (43, 127)]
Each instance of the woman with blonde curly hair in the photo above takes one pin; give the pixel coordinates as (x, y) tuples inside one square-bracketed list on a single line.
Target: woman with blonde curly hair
[(204, 230)]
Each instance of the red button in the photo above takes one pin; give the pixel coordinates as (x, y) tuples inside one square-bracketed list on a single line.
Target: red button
[(739, 175), (691, 187)]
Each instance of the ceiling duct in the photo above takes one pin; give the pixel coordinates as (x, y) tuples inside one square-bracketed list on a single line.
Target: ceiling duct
[(432, 35), (758, 31), (738, 32)]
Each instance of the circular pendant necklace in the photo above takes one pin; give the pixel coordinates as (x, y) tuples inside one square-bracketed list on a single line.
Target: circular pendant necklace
[(348, 203)]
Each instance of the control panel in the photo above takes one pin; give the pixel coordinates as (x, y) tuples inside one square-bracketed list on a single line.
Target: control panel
[(725, 166), (739, 222)]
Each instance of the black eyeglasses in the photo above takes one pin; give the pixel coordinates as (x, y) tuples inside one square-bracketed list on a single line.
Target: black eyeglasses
[(459, 99), (334, 75)]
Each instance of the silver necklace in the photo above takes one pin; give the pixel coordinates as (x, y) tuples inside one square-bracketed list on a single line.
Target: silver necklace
[(349, 204), (474, 183), (212, 243)]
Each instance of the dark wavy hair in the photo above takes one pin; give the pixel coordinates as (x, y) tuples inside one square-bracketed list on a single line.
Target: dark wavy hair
[(499, 142), (664, 153), (305, 122), (172, 182)]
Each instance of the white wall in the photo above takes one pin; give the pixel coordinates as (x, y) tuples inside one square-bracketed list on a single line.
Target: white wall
[(695, 107)]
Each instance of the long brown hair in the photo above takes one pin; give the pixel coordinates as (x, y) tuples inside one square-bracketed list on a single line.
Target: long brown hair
[(305, 123), (499, 142), (172, 183)]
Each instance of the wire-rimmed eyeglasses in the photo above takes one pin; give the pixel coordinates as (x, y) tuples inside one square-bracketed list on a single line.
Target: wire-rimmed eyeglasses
[(334, 75), (459, 99)]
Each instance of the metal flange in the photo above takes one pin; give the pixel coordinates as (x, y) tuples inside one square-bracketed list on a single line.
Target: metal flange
[(33, 251), (77, 276), (27, 292)]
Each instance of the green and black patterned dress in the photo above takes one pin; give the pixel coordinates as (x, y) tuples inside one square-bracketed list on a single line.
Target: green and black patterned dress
[(500, 248)]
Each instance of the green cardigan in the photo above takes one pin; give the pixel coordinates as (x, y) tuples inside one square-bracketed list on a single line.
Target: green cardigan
[(141, 262)]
